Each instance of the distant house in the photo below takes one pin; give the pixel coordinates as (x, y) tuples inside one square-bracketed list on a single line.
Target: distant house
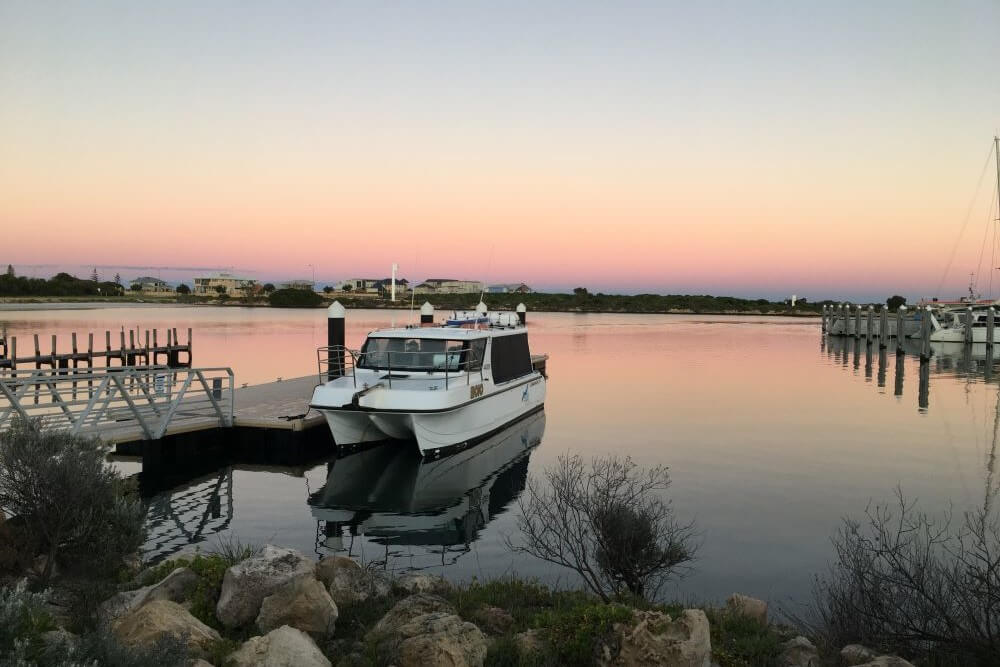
[(359, 285), (225, 283), (509, 288), (149, 285), (448, 286), (298, 284)]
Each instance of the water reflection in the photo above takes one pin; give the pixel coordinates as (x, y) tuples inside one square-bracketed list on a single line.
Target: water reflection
[(388, 496), (189, 514)]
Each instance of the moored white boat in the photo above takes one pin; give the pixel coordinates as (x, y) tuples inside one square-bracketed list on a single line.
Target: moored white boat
[(446, 387)]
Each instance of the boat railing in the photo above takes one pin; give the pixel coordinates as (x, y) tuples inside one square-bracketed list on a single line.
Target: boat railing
[(340, 361)]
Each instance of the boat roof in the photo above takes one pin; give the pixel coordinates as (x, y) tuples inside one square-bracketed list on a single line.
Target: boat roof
[(444, 333)]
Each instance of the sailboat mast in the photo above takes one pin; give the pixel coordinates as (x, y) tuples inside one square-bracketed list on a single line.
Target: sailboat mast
[(996, 153)]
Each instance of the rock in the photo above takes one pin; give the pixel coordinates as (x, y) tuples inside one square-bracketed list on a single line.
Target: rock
[(530, 641), (798, 652), (409, 609), (175, 587), (200, 663), (327, 568), (653, 638), (494, 620), (440, 638), (422, 583), (303, 604), (143, 626), (856, 654), (887, 661), (747, 606), (348, 582), (283, 647), (246, 584), (58, 640)]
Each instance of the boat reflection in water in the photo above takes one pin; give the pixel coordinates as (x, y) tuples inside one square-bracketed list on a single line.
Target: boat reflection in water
[(389, 496)]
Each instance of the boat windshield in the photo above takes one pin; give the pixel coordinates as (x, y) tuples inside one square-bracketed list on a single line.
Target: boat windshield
[(421, 354)]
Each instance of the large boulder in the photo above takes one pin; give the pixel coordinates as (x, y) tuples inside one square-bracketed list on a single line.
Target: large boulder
[(348, 582), (247, 583), (282, 647), (440, 638), (654, 638), (409, 609), (494, 620), (856, 654), (143, 626), (744, 605), (887, 661), (302, 603), (175, 587), (412, 582), (798, 652)]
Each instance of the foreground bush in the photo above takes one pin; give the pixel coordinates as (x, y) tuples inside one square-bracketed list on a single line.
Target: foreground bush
[(607, 521), (75, 508), (907, 582)]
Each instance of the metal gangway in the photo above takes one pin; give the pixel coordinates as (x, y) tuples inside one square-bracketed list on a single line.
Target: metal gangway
[(119, 404)]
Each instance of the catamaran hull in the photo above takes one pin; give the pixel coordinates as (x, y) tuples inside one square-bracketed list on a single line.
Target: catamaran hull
[(438, 431), (958, 336)]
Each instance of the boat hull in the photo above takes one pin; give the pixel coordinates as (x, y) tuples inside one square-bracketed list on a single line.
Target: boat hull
[(439, 431)]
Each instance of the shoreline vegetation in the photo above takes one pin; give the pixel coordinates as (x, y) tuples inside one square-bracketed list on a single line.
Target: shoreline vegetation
[(65, 288), (75, 591)]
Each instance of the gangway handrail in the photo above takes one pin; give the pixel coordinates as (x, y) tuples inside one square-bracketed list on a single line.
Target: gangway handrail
[(99, 400)]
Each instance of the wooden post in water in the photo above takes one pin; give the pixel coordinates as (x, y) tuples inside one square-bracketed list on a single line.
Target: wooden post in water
[(883, 328), (925, 334), (968, 325), (857, 322), (900, 328), (991, 315), (870, 331), (822, 323)]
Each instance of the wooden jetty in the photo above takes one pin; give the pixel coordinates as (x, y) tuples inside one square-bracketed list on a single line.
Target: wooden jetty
[(137, 352)]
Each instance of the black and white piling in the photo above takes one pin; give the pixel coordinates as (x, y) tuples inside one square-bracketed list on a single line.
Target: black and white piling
[(522, 315), (883, 328), (426, 314), (857, 322), (900, 332), (925, 334), (870, 331), (336, 316)]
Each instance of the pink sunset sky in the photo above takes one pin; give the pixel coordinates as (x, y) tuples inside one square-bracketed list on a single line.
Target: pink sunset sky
[(754, 149)]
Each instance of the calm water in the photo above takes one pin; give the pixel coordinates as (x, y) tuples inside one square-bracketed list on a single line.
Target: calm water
[(771, 437)]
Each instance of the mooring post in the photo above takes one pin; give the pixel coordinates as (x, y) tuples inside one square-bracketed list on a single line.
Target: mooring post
[(857, 322), (426, 314), (881, 366), (336, 337), (900, 328), (870, 332), (822, 319), (925, 334), (522, 315), (898, 385), (883, 328), (991, 315), (923, 389), (968, 325)]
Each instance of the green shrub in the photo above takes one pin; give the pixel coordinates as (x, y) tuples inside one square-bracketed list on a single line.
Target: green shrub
[(232, 550), (22, 621), (211, 570), (76, 508), (576, 636), (741, 641), (294, 298)]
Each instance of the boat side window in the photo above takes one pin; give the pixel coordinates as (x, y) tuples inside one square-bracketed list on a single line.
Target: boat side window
[(476, 351), (510, 357)]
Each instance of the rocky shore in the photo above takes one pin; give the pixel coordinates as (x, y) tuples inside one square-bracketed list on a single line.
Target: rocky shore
[(280, 607)]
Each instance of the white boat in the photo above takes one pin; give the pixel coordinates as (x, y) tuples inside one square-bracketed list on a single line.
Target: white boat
[(948, 325), (447, 387)]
